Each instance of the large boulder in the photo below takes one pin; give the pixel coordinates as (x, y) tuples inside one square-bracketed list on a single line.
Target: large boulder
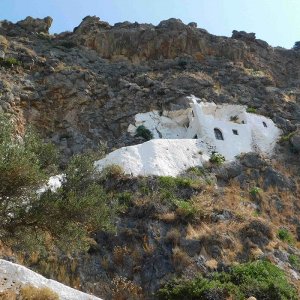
[(36, 25)]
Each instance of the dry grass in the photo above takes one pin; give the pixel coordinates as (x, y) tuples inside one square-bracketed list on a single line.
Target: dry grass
[(8, 295), (30, 292), (119, 255), (123, 289), (211, 264), (173, 236), (3, 43), (168, 217), (180, 259)]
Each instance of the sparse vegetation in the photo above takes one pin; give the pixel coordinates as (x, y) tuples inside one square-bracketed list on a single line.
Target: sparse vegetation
[(284, 235), (185, 209), (144, 132), (287, 137), (234, 118), (112, 171), (260, 279), (9, 62), (251, 110), (255, 191), (30, 292), (217, 158), (295, 261)]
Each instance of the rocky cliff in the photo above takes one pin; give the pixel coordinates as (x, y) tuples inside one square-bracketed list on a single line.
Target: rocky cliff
[(84, 88)]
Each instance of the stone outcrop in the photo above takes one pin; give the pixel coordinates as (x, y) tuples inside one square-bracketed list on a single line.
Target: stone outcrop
[(36, 25), (243, 35)]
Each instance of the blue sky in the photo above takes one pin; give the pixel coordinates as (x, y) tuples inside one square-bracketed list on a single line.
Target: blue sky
[(276, 21)]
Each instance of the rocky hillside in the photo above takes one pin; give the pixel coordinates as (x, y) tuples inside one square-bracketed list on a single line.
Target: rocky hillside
[(83, 88)]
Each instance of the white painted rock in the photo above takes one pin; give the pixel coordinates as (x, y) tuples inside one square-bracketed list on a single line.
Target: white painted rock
[(13, 276), (158, 157)]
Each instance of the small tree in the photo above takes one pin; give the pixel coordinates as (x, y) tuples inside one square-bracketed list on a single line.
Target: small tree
[(65, 217)]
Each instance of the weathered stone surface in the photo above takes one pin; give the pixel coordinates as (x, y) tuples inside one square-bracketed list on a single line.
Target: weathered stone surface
[(36, 25), (243, 35), (295, 141)]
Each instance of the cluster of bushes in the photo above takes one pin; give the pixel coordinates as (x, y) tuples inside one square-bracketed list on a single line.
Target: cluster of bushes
[(260, 279), (65, 217)]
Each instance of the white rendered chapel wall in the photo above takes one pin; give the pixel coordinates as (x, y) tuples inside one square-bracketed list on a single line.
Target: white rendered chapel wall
[(179, 137)]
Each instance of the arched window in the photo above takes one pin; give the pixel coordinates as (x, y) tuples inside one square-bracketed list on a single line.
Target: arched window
[(218, 134), (265, 125)]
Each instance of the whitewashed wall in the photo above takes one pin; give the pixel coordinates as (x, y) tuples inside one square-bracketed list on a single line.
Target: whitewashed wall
[(174, 148)]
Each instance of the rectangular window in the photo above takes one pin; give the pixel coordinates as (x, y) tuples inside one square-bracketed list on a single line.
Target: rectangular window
[(235, 132)]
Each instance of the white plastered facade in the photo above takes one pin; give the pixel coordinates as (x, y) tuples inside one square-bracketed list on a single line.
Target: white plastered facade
[(194, 128)]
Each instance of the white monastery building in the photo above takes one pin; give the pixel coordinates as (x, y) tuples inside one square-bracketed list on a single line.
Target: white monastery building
[(186, 138)]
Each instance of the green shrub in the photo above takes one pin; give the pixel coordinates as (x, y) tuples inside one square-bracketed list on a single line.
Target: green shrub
[(197, 171), (185, 209), (255, 191), (284, 235), (144, 132), (287, 137), (174, 182), (217, 158), (295, 261), (23, 161), (260, 279), (251, 110), (9, 62), (66, 217)]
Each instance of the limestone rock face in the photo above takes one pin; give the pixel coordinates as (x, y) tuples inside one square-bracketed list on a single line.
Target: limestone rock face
[(36, 25), (137, 42)]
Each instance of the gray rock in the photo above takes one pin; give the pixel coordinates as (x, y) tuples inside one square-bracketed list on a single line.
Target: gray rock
[(281, 255), (274, 178), (192, 247), (295, 141), (36, 25), (193, 24), (243, 35), (252, 160), (228, 171)]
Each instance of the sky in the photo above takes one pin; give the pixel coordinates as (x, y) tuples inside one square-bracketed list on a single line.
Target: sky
[(275, 21)]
